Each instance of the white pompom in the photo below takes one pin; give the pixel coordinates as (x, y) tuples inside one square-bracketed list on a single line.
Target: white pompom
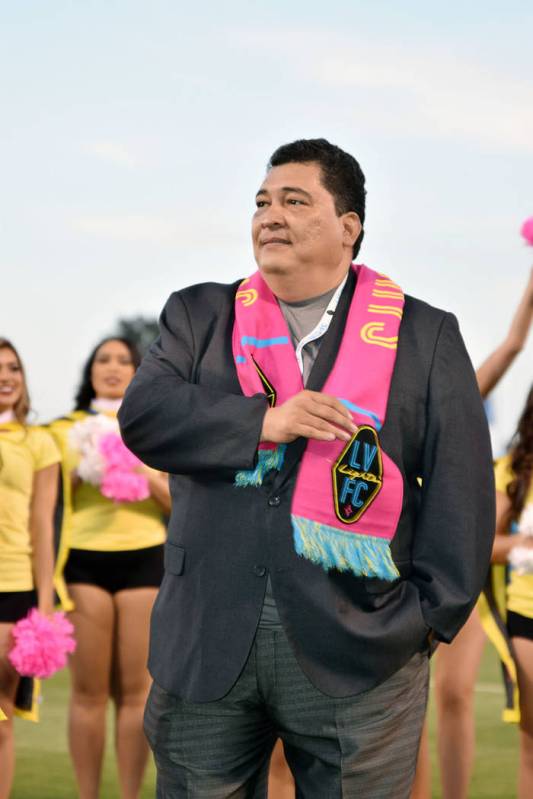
[(525, 525), (85, 437), (521, 560)]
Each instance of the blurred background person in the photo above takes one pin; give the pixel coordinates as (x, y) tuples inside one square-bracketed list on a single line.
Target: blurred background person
[(457, 664), (111, 560), (29, 472), (514, 509)]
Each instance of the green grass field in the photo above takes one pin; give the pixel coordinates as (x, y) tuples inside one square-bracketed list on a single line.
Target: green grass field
[(44, 770)]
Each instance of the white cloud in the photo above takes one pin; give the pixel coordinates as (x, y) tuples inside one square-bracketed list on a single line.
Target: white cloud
[(114, 152), (158, 229), (132, 227), (443, 95), (418, 88)]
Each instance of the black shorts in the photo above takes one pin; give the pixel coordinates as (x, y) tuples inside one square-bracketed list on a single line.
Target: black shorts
[(14, 605), (519, 626), (116, 571)]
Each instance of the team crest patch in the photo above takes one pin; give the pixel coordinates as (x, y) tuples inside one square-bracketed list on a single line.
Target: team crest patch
[(270, 391), (357, 475)]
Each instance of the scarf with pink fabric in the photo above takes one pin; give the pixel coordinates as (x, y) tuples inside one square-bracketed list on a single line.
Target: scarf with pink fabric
[(348, 495)]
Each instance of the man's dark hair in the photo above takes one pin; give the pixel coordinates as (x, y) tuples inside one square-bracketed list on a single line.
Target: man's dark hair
[(341, 174)]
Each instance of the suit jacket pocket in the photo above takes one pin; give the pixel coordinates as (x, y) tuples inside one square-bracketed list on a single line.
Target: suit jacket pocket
[(174, 558)]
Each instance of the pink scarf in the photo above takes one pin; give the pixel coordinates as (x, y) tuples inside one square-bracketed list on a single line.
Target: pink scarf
[(348, 496)]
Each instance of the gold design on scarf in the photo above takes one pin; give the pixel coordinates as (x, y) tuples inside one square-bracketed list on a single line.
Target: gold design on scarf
[(390, 310), (392, 295), (370, 335), (386, 281), (248, 296)]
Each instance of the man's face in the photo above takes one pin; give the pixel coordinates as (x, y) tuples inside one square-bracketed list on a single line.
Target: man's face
[(295, 228)]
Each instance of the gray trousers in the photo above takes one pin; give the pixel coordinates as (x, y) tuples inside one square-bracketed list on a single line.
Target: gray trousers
[(363, 746)]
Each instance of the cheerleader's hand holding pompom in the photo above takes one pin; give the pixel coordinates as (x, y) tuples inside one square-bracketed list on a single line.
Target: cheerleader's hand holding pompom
[(521, 559), (42, 644), (122, 481), (85, 437), (106, 462)]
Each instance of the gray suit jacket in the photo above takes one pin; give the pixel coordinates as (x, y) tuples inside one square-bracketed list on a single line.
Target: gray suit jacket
[(184, 413)]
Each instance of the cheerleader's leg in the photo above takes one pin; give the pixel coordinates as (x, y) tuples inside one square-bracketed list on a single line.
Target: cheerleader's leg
[(8, 687), (524, 663)]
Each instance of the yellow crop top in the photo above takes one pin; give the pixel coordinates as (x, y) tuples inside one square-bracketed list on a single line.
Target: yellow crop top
[(520, 587), (23, 451), (94, 522)]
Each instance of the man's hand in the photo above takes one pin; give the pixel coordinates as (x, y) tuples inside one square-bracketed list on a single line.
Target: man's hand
[(309, 414)]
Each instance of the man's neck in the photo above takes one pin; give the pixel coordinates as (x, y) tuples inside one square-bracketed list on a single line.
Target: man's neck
[(291, 288)]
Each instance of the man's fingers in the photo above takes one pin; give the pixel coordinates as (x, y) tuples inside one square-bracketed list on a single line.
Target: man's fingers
[(333, 416), (312, 415), (306, 431), (327, 431), (325, 401)]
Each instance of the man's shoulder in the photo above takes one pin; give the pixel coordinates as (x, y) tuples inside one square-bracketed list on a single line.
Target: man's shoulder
[(203, 300), (425, 321), (200, 292), (423, 325), (420, 312)]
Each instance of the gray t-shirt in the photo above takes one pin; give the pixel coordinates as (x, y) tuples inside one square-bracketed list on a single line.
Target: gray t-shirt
[(302, 318)]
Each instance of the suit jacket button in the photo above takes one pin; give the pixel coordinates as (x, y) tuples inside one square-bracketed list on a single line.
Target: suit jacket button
[(259, 571), (274, 501)]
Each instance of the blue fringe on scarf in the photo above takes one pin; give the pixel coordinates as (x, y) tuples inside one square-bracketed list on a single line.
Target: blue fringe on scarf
[(331, 548), (267, 459)]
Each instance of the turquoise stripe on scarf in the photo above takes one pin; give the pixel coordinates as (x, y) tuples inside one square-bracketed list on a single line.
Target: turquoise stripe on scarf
[(357, 409), (263, 342), (267, 459), (331, 548)]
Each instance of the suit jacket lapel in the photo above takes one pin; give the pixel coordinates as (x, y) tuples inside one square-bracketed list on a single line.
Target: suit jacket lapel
[(325, 359)]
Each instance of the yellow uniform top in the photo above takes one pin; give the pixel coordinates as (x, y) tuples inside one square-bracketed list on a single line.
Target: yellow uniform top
[(520, 588), (92, 521), (23, 451)]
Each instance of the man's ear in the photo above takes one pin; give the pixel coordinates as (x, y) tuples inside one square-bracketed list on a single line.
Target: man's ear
[(352, 228)]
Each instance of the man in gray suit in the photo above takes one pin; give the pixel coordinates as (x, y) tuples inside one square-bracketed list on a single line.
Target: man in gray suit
[(256, 632)]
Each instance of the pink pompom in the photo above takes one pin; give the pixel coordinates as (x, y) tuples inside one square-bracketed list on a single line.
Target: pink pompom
[(124, 486), (121, 481), (42, 644), (116, 453), (527, 230)]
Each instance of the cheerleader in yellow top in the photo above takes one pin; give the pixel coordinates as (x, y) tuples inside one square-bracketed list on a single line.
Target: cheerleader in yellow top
[(28, 486), (110, 566), (514, 507)]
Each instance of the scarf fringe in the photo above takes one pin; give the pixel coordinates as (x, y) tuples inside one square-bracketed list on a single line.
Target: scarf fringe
[(331, 548), (267, 460)]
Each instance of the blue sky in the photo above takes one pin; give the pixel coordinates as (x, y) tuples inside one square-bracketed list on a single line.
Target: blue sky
[(134, 136)]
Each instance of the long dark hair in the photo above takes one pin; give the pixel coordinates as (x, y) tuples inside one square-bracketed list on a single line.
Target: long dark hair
[(86, 393), (22, 406), (521, 453)]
